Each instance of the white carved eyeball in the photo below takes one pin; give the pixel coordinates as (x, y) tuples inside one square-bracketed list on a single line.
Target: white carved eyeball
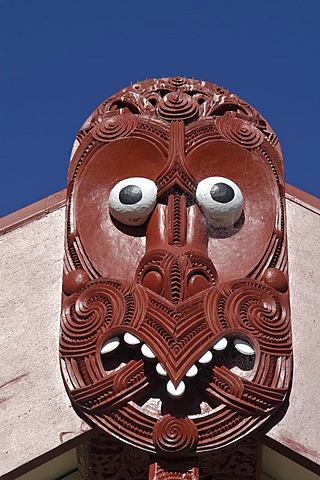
[(220, 200), (132, 200)]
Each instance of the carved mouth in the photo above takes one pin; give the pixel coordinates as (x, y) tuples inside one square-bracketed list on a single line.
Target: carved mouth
[(237, 354)]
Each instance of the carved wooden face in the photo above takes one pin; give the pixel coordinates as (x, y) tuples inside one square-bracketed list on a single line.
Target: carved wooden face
[(175, 328)]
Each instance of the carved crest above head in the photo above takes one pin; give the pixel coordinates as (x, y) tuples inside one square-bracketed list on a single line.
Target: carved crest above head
[(175, 323)]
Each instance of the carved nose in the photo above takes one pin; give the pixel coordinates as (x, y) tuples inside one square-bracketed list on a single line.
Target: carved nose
[(176, 264), (177, 227), (176, 220)]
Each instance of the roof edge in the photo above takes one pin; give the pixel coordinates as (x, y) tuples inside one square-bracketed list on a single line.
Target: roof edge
[(32, 212), (303, 198), (57, 200)]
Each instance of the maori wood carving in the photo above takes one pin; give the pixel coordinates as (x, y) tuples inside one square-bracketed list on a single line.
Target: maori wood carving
[(175, 325), (104, 457)]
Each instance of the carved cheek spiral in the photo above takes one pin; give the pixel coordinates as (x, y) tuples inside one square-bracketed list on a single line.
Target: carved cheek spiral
[(178, 106), (117, 126), (239, 131), (172, 435), (257, 310), (94, 306)]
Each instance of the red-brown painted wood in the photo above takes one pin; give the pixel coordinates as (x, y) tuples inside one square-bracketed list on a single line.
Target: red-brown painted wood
[(205, 297)]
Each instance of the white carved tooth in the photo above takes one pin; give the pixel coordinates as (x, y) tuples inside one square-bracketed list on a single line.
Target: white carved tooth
[(160, 369), (220, 345), (175, 392), (243, 347), (110, 345), (192, 372), (147, 352), (206, 357), (130, 339)]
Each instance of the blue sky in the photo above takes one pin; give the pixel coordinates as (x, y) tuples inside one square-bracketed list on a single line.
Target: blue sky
[(61, 58)]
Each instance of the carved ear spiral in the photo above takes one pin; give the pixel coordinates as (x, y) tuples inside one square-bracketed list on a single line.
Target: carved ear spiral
[(114, 127), (239, 131)]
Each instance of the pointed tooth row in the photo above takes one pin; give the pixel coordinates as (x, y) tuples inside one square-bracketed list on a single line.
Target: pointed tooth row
[(161, 370), (206, 358), (113, 343), (147, 352), (243, 347), (131, 340), (220, 344), (192, 372), (110, 345), (174, 392)]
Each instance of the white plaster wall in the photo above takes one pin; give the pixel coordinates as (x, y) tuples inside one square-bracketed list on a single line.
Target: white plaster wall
[(35, 413), (300, 428)]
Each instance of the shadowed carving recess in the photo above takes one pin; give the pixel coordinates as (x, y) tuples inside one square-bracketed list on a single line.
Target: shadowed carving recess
[(175, 325), (104, 457)]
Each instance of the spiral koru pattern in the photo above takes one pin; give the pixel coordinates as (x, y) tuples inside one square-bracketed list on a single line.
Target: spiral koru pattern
[(96, 304), (172, 435), (177, 81), (114, 127), (258, 310), (178, 106), (239, 131)]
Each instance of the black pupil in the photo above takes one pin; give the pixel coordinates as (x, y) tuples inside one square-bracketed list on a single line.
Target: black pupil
[(222, 193), (130, 194)]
